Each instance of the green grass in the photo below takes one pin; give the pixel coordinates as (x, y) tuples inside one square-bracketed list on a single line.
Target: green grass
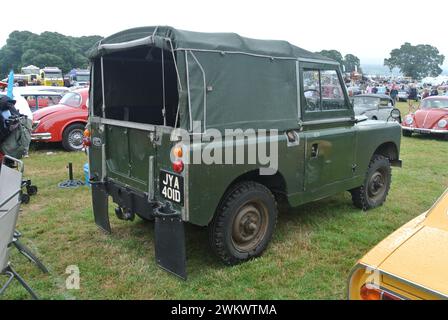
[(310, 257)]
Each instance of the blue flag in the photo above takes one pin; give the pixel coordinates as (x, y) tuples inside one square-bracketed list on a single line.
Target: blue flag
[(10, 85)]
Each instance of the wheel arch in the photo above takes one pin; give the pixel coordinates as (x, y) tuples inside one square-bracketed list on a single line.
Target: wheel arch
[(390, 151), (75, 121), (275, 183)]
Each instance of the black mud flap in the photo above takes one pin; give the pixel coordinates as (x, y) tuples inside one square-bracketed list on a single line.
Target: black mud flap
[(170, 242), (100, 207)]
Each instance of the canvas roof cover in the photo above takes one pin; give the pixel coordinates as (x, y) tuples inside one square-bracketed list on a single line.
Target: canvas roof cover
[(227, 81)]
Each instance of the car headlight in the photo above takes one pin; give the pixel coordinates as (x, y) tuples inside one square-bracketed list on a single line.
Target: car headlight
[(442, 123), (409, 120)]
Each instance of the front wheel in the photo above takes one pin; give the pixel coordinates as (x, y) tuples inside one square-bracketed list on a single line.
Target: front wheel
[(374, 191), (72, 137), (244, 223)]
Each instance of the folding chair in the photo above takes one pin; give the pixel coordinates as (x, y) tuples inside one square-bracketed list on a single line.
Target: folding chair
[(10, 186), (25, 251)]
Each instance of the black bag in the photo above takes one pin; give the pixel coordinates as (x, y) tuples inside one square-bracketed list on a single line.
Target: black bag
[(7, 125)]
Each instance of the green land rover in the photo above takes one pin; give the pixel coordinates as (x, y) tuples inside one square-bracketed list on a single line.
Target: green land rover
[(218, 130)]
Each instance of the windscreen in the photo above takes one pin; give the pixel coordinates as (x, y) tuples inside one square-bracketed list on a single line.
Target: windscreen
[(434, 104), (366, 102), (71, 99)]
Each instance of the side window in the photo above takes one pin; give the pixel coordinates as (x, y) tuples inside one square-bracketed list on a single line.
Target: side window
[(311, 90), (385, 103), (323, 94), (332, 94), (31, 101)]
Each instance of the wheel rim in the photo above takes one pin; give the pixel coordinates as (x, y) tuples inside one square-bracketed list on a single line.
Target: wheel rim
[(75, 139), (250, 226), (377, 185)]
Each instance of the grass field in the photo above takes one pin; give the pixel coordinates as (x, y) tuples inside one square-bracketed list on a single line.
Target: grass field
[(313, 249)]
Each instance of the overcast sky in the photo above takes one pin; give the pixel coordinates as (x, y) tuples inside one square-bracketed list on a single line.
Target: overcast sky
[(368, 29)]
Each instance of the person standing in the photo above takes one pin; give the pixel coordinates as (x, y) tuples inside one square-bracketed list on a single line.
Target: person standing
[(434, 92), (394, 92), (412, 94)]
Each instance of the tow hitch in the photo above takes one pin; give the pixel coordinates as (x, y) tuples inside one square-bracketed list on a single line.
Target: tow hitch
[(170, 240), (124, 214)]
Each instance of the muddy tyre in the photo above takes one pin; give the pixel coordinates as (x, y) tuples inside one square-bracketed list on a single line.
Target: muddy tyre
[(72, 137), (374, 191), (243, 223)]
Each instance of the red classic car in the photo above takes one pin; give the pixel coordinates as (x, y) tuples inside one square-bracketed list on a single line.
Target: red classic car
[(64, 122), (430, 118)]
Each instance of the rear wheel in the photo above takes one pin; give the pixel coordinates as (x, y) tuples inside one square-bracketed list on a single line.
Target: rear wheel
[(373, 192), (244, 223), (72, 137)]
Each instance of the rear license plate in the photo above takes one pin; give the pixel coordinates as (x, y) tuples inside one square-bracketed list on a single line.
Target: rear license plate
[(172, 186)]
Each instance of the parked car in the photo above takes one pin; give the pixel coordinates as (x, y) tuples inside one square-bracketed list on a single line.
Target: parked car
[(402, 95), (40, 99), (374, 106), (141, 137), (430, 118), (64, 122), (409, 264)]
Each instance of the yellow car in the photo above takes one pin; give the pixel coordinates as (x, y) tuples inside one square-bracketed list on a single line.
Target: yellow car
[(412, 263)]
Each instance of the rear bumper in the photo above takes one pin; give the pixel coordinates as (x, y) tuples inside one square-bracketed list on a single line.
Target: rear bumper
[(130, 199), (424, 131), (41, 136)]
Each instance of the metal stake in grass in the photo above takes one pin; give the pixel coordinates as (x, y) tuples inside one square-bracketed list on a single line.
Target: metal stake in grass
[(70, 183)]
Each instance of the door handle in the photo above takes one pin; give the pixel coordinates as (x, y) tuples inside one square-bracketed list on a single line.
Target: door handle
[(314, 151)]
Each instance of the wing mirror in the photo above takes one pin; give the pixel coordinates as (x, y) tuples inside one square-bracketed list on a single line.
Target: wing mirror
[(395, 114)]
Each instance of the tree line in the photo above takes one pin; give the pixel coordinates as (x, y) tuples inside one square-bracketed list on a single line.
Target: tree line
[(350, 62), (49, 49), (417, 62)]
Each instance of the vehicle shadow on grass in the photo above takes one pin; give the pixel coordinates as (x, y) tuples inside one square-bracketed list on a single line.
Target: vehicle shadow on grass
[(428, 137), (47, 147), (200, 258)]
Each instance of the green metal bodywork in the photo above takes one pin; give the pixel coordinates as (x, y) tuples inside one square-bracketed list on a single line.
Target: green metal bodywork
[(232, 82)]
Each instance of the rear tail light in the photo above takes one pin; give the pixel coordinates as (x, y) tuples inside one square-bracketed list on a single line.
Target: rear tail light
[(368, 292), (177, 152), (178, 166), (176, 158)]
